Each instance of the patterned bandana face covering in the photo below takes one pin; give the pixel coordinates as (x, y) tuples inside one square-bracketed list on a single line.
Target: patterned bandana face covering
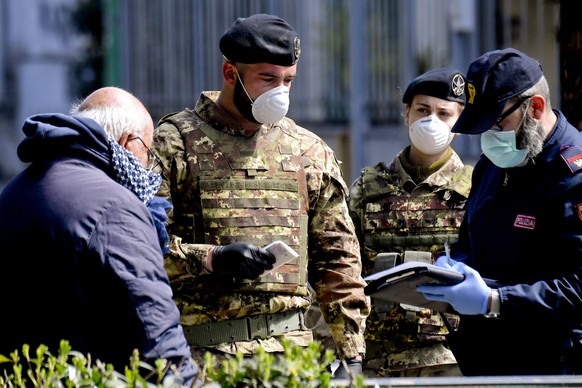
[(131, 174)]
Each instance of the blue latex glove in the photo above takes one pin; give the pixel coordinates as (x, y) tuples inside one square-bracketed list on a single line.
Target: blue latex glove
[(158, 207), (470, 297), (445, 262)]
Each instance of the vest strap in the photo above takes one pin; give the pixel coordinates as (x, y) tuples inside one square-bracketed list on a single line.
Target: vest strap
[(410, 240), (259, 184)]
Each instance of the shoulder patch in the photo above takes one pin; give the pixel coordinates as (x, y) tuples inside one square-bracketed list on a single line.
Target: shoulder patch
[(572, 155), (579, 210)]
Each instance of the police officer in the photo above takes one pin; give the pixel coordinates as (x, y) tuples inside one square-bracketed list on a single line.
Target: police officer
[(522, 227), (240, 175), (407, 210)]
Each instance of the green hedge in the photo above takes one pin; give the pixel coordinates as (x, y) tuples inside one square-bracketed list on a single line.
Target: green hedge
[(297, 367)]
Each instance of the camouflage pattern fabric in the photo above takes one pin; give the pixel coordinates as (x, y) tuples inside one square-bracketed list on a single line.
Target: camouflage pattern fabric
[(265, 196), (330, 246), (426, 360), (393, 213)]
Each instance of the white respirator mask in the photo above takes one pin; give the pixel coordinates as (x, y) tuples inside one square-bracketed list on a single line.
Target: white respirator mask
[(430, 135), (272, 105)]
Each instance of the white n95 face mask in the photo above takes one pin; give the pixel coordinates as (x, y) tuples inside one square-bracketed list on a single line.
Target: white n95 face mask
[(430, 135), (272, 105)]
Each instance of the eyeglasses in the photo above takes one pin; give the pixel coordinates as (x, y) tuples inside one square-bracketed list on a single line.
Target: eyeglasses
[(497, 127), (153, 160)]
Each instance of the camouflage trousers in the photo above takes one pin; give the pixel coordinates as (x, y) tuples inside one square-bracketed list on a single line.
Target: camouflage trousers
[(321, 332), (385, 360), (219, 358), (222, 353), (426, 360)]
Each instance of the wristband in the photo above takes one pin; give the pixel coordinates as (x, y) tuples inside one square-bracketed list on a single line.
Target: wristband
[(495, 309)]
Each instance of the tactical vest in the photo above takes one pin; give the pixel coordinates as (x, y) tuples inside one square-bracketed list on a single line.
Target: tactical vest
[(411, 227), (240, 189), (396, 221)]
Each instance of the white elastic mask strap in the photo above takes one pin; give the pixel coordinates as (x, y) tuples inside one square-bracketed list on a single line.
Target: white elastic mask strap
[(239, 79)]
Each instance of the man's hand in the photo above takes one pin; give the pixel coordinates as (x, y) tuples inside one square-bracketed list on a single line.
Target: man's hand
[(470, 297), (348, 368), (241, 260)]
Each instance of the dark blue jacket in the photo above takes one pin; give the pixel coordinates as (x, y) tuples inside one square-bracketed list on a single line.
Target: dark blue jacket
[(523, 227), (81, 259)]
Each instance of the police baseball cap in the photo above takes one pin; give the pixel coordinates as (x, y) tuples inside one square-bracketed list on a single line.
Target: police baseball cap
[(446, 83), (261, 38), (492, 80)]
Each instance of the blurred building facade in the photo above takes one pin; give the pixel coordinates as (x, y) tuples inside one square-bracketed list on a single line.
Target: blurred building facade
[(357, 57), (38, 46)]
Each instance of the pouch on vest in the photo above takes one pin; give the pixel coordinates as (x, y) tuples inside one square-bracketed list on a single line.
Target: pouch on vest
[(385, 260), (422, 256)]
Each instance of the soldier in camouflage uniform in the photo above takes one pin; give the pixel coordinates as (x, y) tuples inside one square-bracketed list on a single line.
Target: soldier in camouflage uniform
[(240, 175), (416, 204)]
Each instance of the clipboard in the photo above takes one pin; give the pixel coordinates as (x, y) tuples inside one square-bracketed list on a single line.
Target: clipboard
[(398, 284)]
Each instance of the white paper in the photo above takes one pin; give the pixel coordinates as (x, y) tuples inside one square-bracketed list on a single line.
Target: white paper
[(283, 252)]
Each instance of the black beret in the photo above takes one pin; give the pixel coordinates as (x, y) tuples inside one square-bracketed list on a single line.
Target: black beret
[(445, 83), (261, 38)]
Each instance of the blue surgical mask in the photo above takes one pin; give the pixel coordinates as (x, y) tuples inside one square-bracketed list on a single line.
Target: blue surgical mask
[(500, 147)]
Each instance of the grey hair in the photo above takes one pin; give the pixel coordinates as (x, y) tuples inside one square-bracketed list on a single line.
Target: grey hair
[(531, 137), (541, 88), (114, 119)]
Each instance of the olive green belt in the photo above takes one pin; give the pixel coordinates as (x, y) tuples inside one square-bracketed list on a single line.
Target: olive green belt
[(245, 329)]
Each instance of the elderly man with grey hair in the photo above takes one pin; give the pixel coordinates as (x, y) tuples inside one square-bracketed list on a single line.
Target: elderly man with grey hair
[(87, 264)]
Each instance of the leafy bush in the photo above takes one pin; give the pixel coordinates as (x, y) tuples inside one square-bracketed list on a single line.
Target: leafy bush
[(297, 367), (72, 369)]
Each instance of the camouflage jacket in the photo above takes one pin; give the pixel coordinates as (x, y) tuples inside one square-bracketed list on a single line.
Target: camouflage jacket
[(332, 246), (392, 213)]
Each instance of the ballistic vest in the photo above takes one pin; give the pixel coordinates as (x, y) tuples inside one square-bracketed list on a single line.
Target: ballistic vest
[(406, 221), (243, 189), (422, 219)]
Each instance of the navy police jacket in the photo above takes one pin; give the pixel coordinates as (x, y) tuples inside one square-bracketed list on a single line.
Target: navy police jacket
[(523, 227), (81, 259)]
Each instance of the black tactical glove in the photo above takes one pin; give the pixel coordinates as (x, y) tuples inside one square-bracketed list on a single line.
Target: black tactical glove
[(241, 260), (354, 368)]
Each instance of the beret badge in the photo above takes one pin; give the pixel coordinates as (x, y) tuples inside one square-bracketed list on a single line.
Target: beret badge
[(297, 45), (458, 85)]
